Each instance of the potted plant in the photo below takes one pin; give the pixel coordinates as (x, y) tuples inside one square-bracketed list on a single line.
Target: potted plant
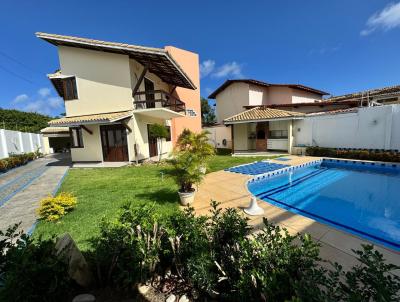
[(190, 158)]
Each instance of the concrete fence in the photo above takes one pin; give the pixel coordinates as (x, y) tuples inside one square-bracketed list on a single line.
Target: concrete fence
[(368, 128), (16, 142)]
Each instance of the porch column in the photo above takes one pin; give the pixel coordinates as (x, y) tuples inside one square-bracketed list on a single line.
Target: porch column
[(290, 136)]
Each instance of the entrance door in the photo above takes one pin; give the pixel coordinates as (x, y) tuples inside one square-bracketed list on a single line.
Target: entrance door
[(153, 150), (149, 86), (261, 136), (114, 143)]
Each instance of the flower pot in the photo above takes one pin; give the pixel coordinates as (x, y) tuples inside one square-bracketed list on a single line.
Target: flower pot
[(186, 197)]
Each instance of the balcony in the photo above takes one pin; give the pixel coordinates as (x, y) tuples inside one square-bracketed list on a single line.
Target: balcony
[(157, 99)]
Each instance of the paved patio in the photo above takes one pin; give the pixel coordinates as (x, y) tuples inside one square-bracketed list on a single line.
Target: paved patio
[(231, 191), (21, 189)]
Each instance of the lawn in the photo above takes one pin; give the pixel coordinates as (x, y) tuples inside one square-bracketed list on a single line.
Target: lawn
[(101, 192)]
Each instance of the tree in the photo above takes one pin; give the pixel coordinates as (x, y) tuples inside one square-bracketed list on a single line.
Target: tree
[(207, 113), (159, 132)]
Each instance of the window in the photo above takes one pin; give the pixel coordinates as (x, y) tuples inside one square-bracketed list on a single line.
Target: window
[(168, 139), (278, 134), (76, 137), (69, 89)]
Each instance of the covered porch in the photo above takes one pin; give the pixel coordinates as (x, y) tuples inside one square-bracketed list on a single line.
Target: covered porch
[(262, 130)]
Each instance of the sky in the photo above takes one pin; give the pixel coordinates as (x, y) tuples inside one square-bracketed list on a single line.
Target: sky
[(336, 46)]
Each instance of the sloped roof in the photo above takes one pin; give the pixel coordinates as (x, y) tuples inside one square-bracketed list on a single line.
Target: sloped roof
[(371, 93), (91, 118), (159, 60), (264, 84), (262, 113), (54, 130), (333, 112)]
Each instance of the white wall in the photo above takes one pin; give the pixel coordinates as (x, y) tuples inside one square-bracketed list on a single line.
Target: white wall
[(231, 101), (369, 128), (15, 142), (218, 134)]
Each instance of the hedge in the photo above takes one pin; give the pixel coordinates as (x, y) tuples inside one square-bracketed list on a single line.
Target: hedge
[(365, 154), (16, 160)]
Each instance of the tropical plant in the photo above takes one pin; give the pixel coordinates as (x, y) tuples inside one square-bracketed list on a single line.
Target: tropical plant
[(191, 154), (159, 132), (53, 208)]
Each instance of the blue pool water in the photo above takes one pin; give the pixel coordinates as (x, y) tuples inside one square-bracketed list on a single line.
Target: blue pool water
[(256, 168), (360, 198)]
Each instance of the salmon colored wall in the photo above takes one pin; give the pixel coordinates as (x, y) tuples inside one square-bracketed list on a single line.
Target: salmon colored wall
[(189, 62)]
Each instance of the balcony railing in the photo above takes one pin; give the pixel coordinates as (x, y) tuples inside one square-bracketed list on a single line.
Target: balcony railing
[(157, 99)]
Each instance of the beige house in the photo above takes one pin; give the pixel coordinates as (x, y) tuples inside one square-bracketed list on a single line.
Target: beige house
[(114, 92), (259, 128)]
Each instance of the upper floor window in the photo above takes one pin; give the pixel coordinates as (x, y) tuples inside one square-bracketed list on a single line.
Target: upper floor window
[(69, 89)]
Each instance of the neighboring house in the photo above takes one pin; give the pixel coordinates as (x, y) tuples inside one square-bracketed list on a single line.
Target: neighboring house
[(251, 132), (255, 116), (113, 92)]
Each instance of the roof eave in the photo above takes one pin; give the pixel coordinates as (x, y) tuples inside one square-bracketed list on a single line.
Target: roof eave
[(265, 120)]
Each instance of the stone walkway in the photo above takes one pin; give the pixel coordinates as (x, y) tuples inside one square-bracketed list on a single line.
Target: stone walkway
[(21, 189), (230, 189)]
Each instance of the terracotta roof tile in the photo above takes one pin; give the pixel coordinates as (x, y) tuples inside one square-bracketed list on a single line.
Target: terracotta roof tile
[(262, 113), (91, 118)]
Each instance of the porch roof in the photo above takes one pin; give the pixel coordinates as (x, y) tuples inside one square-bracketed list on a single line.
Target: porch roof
[(54, 130), (262, 113), (91, 119), (159, 60)]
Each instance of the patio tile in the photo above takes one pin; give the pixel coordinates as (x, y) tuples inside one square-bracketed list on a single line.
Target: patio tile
[(343, 241), (328, 252)]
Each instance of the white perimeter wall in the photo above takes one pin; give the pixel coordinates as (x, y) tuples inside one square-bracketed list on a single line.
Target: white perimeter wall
[(15, 142), (217, 134), (370, 128)]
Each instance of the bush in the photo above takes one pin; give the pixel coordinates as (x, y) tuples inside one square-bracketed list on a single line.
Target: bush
[(31, 271), (378, 155), (16, 160), (53, 208)]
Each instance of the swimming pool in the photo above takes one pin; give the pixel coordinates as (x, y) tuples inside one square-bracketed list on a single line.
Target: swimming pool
[(359, 197)]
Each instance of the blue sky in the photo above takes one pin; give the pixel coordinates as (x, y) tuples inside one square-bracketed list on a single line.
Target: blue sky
[(337, 46)]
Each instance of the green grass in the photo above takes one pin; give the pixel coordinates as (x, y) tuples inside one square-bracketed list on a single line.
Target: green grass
[(101, 192)]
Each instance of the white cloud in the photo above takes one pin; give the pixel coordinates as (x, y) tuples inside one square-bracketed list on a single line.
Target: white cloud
[(44, 92), (206, 67), (20, 99), (385, 20), (43, 102), (232, 69)]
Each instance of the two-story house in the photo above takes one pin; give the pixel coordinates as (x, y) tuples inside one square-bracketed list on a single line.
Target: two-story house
[(114, 92), (243, 105)]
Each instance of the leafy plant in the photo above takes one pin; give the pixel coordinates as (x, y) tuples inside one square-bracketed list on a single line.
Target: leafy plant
[(30, 270), (190, 156), (53, 208)]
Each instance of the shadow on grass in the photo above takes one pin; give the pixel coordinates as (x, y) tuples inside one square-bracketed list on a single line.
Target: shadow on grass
[(163, 196)]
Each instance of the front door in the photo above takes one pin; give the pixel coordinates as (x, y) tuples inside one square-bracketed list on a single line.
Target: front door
[(149, 89), (261, 136), (153, 150), (114, 143)]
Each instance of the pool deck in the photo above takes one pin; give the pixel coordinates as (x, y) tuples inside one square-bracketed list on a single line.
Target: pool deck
[(230, 190)]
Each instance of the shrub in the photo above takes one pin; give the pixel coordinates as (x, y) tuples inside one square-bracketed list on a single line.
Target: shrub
[(16, 160), (354, 154), (31, 271), (53, 208), (216, 255)]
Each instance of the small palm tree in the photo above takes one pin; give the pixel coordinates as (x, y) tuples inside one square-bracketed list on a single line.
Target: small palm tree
[(191, 153)]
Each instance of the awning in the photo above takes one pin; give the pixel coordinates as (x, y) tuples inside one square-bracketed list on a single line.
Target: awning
[(159, 60), (55, 132), (101, 118), (263, 114)]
